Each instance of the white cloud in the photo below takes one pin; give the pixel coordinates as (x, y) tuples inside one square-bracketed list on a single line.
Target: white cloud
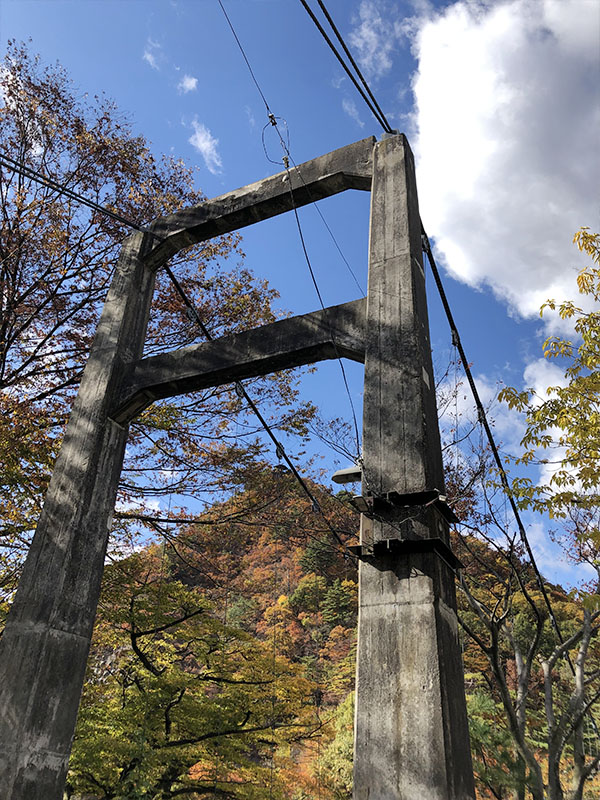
[(350, 108), (187, 84), (152, 53), (506, 121), (203, 141), (541, 374)]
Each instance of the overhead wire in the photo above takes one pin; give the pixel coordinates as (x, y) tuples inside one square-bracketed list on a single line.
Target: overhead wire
[(34, 175), (242, 393), (286, 148), (353, 62), (483, 420), (379, 117), (287, 158), (320, 297)]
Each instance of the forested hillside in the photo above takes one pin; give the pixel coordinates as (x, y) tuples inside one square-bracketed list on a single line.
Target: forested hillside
[(223, 660)]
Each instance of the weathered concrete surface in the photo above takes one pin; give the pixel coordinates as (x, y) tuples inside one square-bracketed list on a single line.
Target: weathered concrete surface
[(401, 436), (411, 735), (411, 701), (44, 647), (291, 342), (348, 167)]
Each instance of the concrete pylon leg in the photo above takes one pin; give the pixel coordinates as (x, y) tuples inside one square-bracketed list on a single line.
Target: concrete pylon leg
[(44, 647), (411, 733)]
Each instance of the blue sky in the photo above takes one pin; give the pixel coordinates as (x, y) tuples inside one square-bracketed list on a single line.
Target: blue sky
[(499, 100)]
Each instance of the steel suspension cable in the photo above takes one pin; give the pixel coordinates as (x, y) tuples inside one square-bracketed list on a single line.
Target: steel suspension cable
[(353, 62), (381, 120), (482, 417)]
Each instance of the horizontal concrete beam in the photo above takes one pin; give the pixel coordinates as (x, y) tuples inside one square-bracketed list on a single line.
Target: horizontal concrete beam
[(287, 343), (349, 167)]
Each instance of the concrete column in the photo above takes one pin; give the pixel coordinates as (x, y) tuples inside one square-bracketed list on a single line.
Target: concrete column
[(411, 734), (44, 647)]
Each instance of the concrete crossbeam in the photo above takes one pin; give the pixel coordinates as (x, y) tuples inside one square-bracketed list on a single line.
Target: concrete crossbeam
[(348, 167), (306, 339)]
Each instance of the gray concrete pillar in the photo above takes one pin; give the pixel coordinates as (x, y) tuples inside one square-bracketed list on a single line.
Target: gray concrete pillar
[(44, 647), (411, 734)]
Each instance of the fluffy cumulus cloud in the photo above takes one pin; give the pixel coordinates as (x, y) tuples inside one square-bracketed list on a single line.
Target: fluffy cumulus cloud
[(187, 84), (206, 144), (507, 113)]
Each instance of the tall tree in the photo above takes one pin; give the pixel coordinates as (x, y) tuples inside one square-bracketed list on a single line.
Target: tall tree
[(540, 693), (56, 262), (563, 426), (179, 703)]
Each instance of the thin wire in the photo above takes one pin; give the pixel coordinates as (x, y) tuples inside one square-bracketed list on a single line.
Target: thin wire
[(286, 148), (32, 174), (286, 159), (317, 290), (382, 121), (353, 62), (239, 44), (273, 120), (362, 289)]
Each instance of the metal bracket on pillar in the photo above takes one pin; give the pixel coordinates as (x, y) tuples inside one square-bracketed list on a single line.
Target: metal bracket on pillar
[(387, 547), (371, 504)]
